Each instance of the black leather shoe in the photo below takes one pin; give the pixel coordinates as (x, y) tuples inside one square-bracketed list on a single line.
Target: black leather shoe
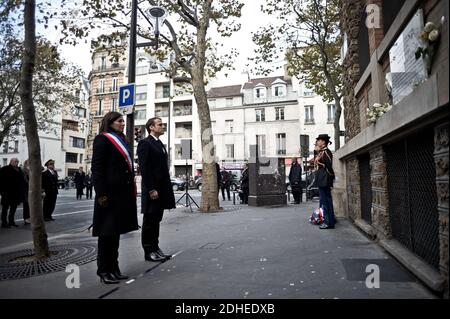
[(154, 256), (5, 226), (118, 275), (107, 278), (13, 225), (160, 252), (325, 226)]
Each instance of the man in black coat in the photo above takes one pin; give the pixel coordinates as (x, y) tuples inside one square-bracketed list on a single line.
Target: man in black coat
[(79, 182), (12, 191), (50, 187), (157, 194), (295, 179)]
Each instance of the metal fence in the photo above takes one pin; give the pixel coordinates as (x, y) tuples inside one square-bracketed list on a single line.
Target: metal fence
[(413, 202)]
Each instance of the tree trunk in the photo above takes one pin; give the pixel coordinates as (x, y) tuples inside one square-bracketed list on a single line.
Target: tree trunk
[(210, 189), (34, 151)]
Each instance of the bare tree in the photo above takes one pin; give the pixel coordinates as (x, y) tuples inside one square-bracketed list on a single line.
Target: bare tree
[(31, 129), (195, 54), (307, 33)]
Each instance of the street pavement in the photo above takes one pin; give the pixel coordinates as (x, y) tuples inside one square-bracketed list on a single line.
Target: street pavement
[(239, 253)]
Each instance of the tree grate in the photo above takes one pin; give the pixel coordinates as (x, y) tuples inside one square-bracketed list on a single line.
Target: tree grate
[(17, 265)]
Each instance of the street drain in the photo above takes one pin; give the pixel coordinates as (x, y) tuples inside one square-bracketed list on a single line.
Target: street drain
[(21, 264)]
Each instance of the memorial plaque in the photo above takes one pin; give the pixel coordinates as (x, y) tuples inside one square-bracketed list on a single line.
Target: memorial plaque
[(406, 71)]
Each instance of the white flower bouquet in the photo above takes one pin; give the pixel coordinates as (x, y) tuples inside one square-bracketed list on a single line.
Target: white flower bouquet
[(376, 111)]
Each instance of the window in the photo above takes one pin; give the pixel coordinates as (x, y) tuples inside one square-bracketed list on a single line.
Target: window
[(76, 142), (281, 143), (16, 146), (331, 112), (261, 142), (71, 157), (229, 101), (140, 114), (166, 90), (229, 126), (279, 90), (115, 84), (114, 104), (309, 114), (141, 92), (102, 64), (100, 107), (260, 93), (101, 86), (182, 109), (81, 158), (307, 91), (81, 112), (183, 130), (212, 103), (230, 150), (162, 109), (177, 151), (260, 115), (279, 113), (5, 147)]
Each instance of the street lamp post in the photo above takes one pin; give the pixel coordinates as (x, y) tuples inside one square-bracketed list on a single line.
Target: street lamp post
[(157, 17)]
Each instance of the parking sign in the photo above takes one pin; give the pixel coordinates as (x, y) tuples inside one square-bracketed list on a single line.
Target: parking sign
[(126, 98)]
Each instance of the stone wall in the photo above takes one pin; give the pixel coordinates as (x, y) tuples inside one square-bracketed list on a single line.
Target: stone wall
[(353, 189), (350, 25), (380, 201), (441, 152)]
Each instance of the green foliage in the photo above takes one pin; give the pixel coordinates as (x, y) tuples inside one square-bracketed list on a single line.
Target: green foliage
[(54, 82), (307, 36)]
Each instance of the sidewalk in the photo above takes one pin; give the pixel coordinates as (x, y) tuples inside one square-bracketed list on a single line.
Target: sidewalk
[(240, 253)]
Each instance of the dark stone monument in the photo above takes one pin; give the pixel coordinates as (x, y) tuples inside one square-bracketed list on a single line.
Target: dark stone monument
[(267, 178)]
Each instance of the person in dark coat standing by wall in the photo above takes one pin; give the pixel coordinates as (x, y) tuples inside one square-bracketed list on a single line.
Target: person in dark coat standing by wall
[(157, 194), (295, 179), (88, 184), (245, 184), (78, 178), (12, 191), (115, 210), (225, 183), (50, 188), (324, 161)]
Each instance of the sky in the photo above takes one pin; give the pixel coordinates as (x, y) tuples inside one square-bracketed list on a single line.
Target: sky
[(252, 18)]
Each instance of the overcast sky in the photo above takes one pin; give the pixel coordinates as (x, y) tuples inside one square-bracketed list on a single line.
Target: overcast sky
[(252, 18)]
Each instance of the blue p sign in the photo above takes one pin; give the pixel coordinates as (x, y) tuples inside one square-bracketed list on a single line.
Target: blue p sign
[(126, 95)]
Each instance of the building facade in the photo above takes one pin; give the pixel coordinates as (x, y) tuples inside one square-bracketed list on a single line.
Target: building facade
[(108, 73), (392, 174)]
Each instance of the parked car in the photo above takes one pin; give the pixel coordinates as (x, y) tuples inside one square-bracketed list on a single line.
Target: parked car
[(178, 184), (235, 183)]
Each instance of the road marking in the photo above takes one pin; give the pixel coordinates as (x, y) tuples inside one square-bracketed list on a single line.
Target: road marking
[(73, 213)]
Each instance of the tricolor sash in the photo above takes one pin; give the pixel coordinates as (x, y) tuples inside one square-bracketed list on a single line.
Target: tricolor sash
[(120, 145)]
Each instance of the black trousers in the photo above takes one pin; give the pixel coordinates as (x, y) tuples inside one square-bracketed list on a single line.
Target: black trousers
[(223, 192), (49, 204), (150, 230), (26, 210), (298, 195), (10, 206), (79, 192), (245, 196), (108, 254), (88, 192)]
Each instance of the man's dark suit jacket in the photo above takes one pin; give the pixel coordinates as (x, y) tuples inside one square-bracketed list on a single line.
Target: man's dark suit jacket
[(155, 175)]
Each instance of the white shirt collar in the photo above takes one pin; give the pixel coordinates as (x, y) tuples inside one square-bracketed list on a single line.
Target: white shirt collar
[(157, 139)]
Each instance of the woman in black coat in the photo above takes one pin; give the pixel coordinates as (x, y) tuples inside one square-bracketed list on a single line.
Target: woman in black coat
[(115, 210), (245, 184)]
